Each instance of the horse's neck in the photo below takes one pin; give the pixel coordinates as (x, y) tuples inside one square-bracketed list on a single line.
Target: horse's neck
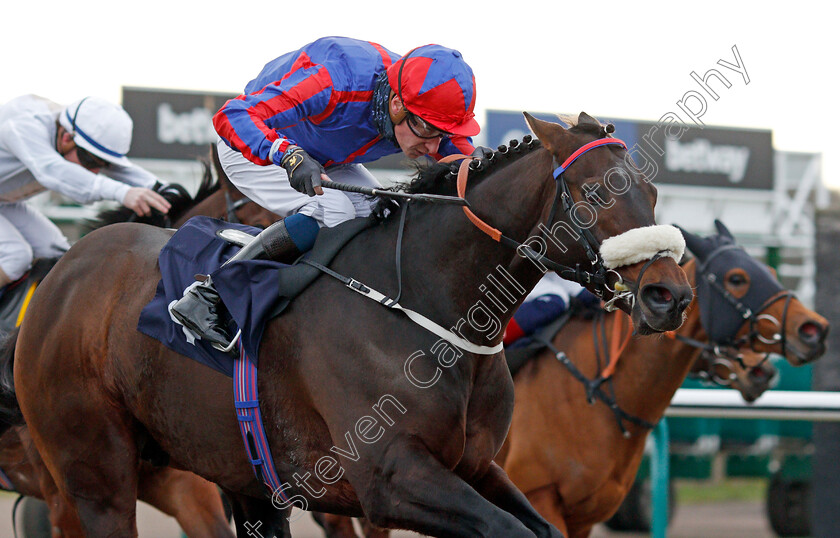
[(212, 206), (653, 367), (457, 269)]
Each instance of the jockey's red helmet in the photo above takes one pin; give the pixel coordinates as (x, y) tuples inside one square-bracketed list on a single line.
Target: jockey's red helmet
[(436, 84)]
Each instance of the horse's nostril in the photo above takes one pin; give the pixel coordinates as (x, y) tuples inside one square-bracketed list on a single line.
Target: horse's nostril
[(811, 332)]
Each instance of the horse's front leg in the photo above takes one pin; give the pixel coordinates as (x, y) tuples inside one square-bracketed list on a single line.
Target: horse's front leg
[(258, 517), (496, 487), (335, 526), (193, 501), (407, 487)]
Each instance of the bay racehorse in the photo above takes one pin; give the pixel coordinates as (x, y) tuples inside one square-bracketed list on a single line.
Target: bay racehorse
[(578, 480), (191, 500), (744, 370), (739, 367), (94, 390)]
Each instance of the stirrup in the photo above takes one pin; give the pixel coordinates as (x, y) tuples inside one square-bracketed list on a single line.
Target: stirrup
[(230, 346)]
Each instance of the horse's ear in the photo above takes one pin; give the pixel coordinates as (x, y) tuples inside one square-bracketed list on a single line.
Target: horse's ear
[(723, 231), (584, 119), (694, 243), (551, 135)]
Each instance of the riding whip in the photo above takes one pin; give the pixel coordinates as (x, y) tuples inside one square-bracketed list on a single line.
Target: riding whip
[(419, 197)]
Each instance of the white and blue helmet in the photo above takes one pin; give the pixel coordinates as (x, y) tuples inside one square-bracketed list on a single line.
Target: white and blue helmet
[(100, 127)]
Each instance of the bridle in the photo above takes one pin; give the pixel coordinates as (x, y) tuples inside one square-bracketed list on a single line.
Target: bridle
[(722, 350), (232, 206), (724, 358), (744, 310), (598, 275)]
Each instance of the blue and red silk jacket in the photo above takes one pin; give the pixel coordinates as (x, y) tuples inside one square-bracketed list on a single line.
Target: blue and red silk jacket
[(319, 98)]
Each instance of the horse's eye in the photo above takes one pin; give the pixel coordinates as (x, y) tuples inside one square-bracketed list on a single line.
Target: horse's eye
[(590, 192), (737, 279)]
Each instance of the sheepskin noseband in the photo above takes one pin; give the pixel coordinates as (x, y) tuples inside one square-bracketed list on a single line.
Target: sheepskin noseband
[(640, 244)]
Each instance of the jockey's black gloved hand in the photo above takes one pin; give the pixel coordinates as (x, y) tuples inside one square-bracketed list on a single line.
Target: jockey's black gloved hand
[(482, 152), (304, 171)]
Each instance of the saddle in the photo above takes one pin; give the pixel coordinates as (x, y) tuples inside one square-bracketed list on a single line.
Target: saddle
[(14, 298), (200, 247)]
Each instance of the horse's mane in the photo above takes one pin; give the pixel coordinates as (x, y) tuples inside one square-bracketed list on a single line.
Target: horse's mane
[(437, 178), (175, 194)]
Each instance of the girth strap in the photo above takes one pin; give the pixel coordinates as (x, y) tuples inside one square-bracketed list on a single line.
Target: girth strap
[(247, 404), (416, 317), (6, 482)]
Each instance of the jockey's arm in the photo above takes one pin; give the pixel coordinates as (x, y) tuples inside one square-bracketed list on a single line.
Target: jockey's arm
[(31, 143), (131, 175), (251, 123)]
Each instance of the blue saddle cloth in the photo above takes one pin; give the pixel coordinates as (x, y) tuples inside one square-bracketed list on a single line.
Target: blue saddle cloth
[(248, 288)]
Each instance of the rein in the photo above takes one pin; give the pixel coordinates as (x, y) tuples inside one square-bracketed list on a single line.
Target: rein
[(614, 348), (392, 303), (563, 196), (232, 206), (754, 317), (617, 344)]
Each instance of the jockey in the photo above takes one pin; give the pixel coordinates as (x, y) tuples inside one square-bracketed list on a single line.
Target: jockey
[(70, 150), (316, 114)]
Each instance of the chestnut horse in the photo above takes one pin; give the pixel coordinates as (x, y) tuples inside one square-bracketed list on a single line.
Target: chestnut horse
[(92, 388), (576, 481), (191, 500), (746, 371)]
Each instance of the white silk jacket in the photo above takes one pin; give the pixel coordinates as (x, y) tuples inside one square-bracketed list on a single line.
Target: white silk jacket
[(30, 163)]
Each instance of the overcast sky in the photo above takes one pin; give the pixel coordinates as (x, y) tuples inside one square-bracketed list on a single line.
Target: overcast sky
[(613, 60)]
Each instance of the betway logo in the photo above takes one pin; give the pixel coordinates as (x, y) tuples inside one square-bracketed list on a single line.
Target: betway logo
[(701, 156), (193, 127)]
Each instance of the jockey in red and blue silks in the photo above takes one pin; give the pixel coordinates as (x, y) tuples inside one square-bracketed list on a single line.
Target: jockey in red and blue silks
[(321, 98), (318, 113)]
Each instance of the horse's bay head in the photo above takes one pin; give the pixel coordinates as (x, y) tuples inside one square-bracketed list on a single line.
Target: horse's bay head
[(608, 209)]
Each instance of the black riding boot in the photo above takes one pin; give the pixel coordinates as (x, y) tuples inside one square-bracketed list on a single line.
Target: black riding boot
[(202, 311)]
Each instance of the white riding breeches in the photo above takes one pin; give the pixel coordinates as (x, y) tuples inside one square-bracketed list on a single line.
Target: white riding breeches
[(269, 187), (25, 234)]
